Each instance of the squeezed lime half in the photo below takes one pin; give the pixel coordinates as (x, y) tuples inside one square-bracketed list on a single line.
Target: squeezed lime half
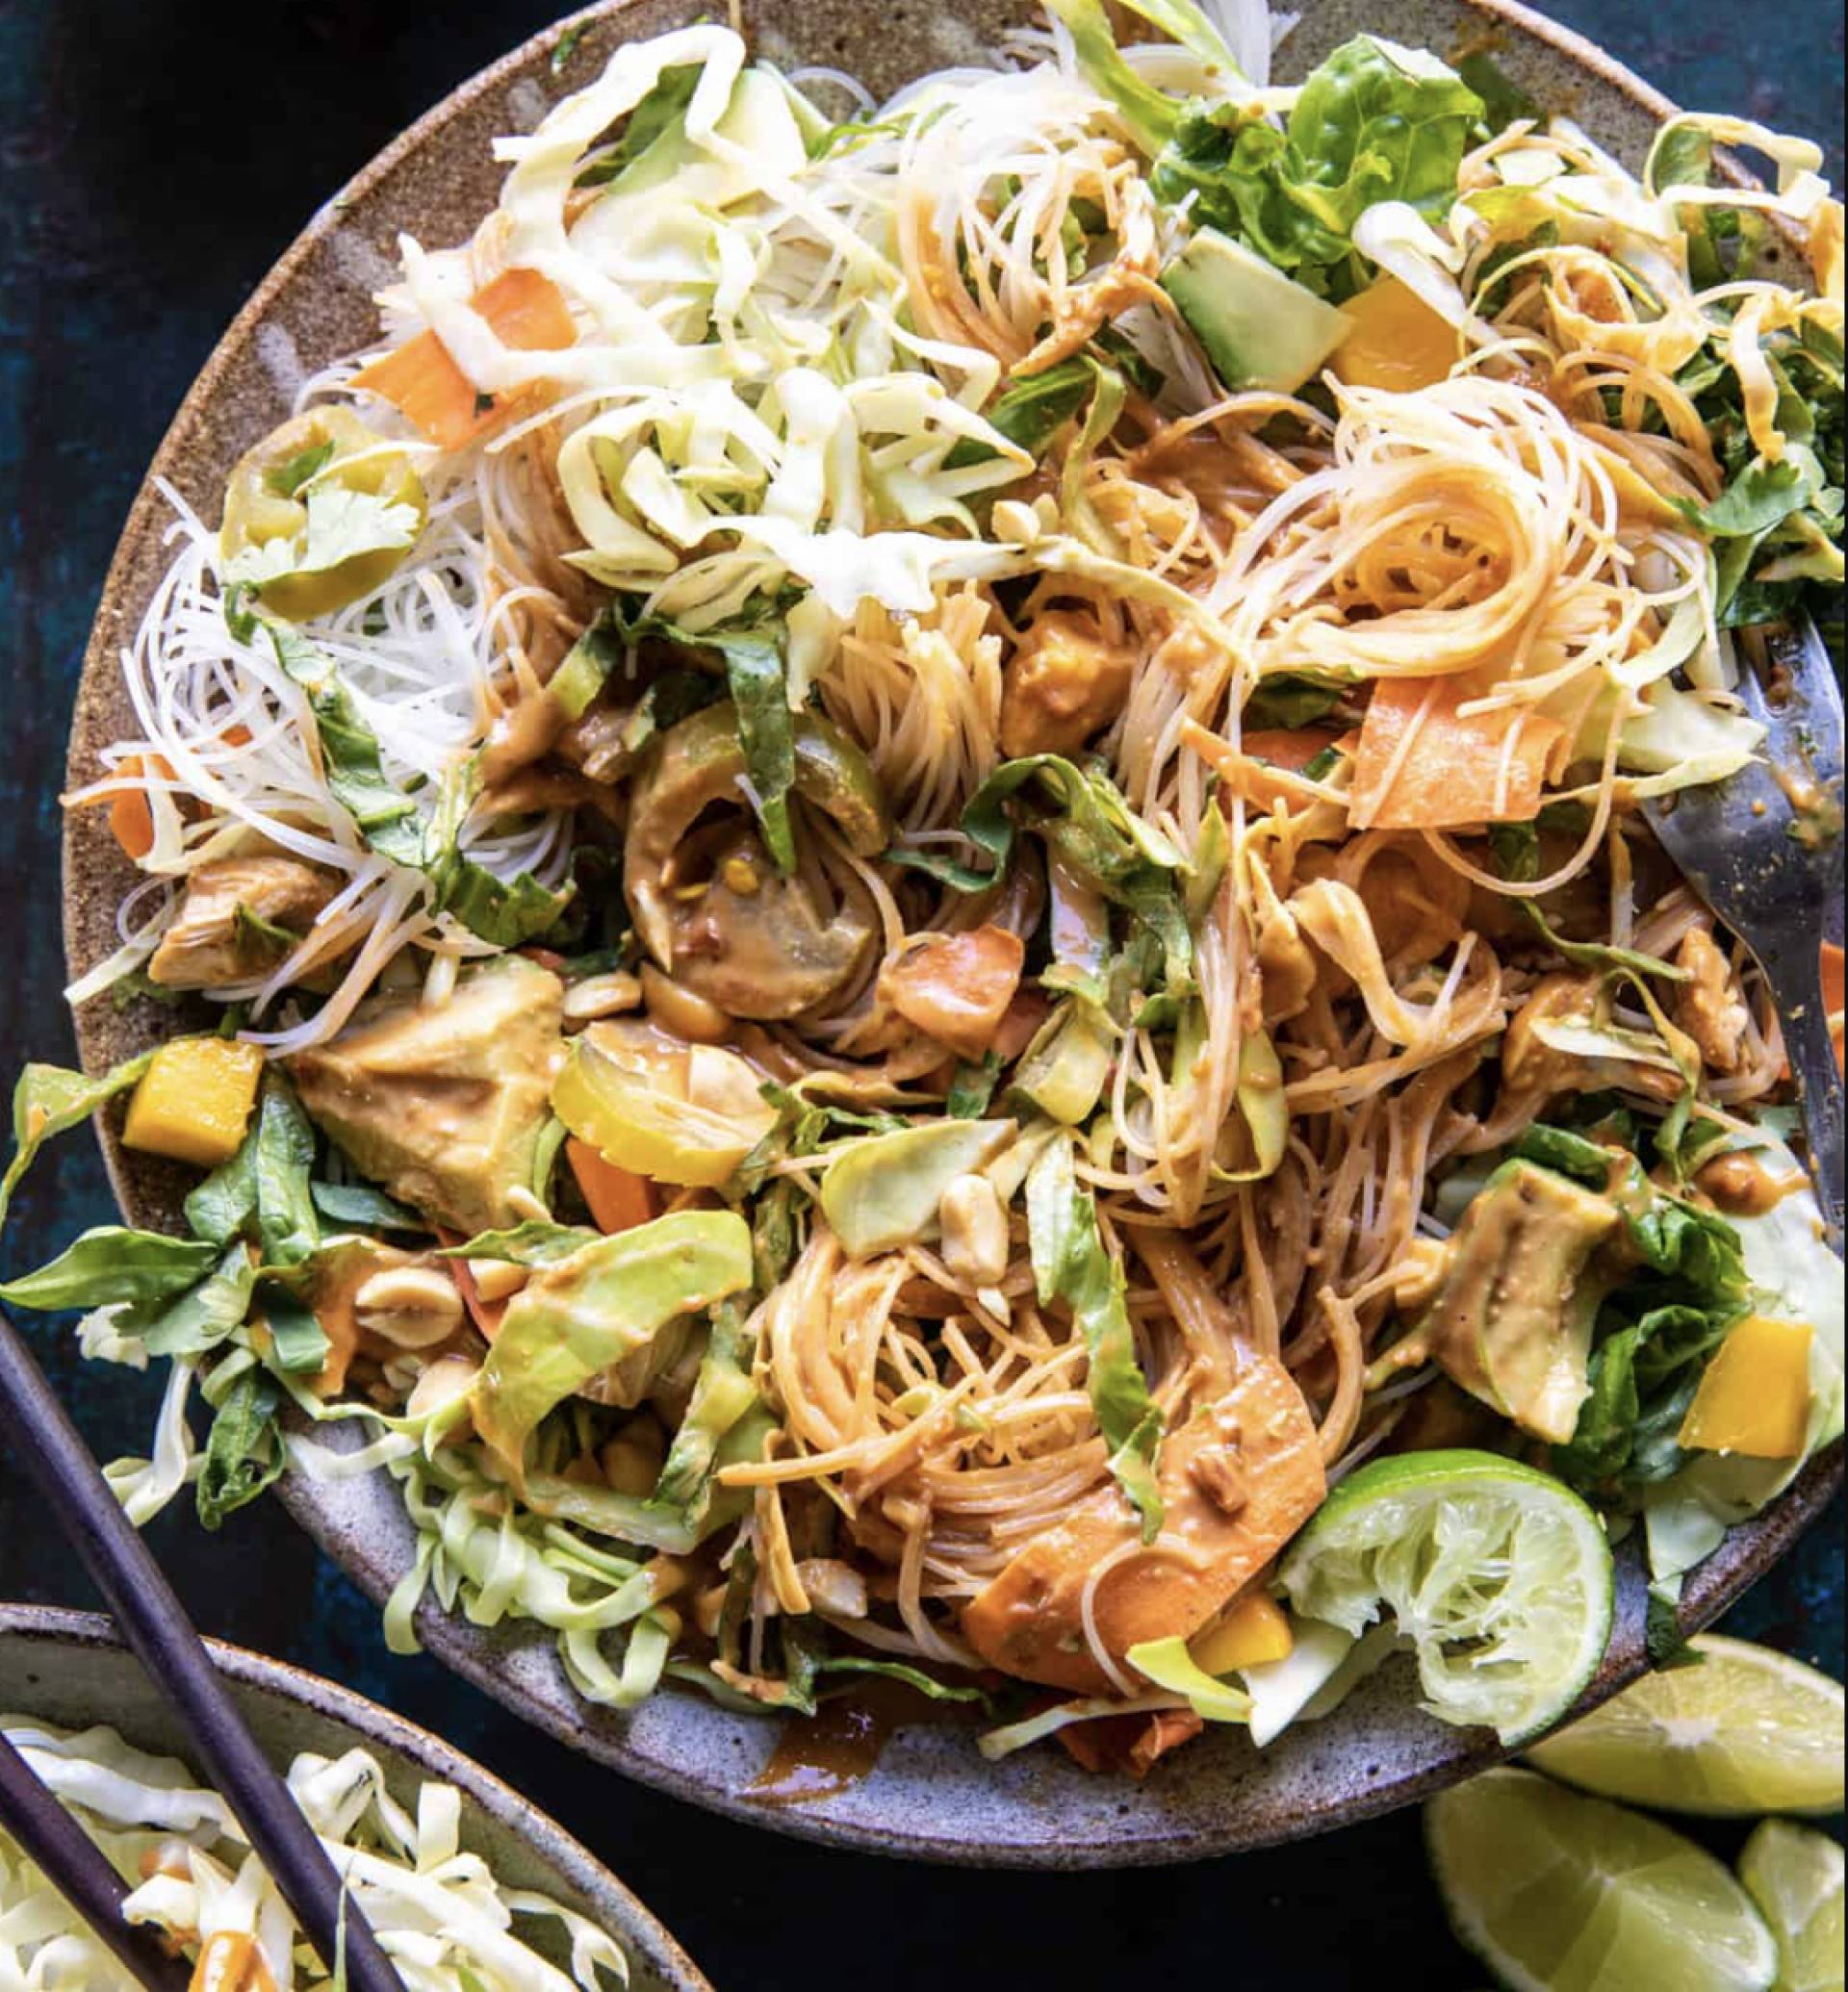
[(1499, 1575)]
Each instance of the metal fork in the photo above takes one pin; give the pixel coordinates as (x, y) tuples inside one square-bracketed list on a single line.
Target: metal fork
[(1765, 850)]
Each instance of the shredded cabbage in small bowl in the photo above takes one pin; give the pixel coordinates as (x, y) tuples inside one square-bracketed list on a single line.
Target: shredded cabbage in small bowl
[(441, 1915)]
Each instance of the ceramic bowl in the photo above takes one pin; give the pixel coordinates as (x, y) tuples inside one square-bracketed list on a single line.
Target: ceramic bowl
[(930, 1796), (70, 1668)]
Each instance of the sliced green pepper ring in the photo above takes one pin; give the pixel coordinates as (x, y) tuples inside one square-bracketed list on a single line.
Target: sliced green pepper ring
[(712, 908), (265, 499)]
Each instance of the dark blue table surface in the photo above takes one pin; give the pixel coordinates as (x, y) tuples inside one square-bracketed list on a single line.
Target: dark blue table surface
[(154, 159)]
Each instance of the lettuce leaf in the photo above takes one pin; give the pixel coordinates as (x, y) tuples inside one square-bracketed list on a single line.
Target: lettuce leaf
[(205, 1315), (594, 1308), (1081, 815), (243, 1452), (357, 1205), (1659, 1329), (282, 1161), (722, 1393), (1148, 114), (110, 1265), (1070, 1264), (1643, 1379), (503, 911), (49, 1100), (1376, 122)]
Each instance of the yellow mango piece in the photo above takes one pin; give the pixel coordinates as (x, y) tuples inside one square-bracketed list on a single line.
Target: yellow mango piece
[(194, 1101), (1254, 1629), (1754, 1398), (1399, 342)]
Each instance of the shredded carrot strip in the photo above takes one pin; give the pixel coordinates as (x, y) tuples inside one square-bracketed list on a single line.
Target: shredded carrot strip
[(526, 309), (1423, 765)]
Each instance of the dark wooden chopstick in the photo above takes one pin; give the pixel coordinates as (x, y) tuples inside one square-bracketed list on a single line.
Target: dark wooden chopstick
[(55, 1459), (75, 1866)]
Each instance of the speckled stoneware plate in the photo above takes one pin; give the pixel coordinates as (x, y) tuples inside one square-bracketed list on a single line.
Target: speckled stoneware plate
[(930, 1796), (69, 1668)]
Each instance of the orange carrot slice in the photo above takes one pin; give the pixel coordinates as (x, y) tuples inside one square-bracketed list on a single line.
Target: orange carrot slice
[(1424, 766), (1831, 995), (419, 379), (619, 1199), (956, 988)]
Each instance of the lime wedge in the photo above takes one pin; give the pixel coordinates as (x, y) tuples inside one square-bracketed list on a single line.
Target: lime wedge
[(1795, 1877), (1499, 1575), (1559, 1893), (1746, 1731)]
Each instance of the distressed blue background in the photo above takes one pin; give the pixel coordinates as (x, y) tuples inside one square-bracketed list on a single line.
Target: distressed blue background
[(154, 159)]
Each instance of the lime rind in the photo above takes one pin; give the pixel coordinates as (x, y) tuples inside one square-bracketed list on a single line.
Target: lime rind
[(1499, 1576)]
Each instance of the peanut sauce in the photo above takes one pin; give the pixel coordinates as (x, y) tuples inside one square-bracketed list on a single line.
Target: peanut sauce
[(1743, 1187), (231, 1962), (820, 1756)]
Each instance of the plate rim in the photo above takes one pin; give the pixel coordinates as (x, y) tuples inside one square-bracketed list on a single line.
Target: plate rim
[(1749, 1552)]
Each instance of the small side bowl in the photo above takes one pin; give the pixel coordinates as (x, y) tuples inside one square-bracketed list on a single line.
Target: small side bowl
[(70, 1668)]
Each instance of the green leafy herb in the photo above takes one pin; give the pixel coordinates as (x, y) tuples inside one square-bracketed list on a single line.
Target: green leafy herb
[(508, 912), (1374, 122), (1515, 848), (359, 1207), (913, 1677), (1658, 1329), (1571, 1154), (1029, 412), (565, 48), (1503, 100), (1643, 1378), (1070, 1264), (343, 525), (49, 1100), (1762, 495), (532, 1243), (224, 1205), (286, 478), (111, 1263), (1776, 529), (243, 1452), (204, 1315), (1148, 114), (662, 109), (281, 1163), (767, 733), (505, 912), (754, 668), (1287, 700), (1693, 1248), (351, 762), (1130, 361), (1083, 818), (298, 1344), (722, 1393), (973, 1088), (257, 939), (586, 668)]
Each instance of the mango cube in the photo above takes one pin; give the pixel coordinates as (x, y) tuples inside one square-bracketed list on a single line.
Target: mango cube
[(194, 1101), (1399, 342), (1754, 1398), (1254, 1629)]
